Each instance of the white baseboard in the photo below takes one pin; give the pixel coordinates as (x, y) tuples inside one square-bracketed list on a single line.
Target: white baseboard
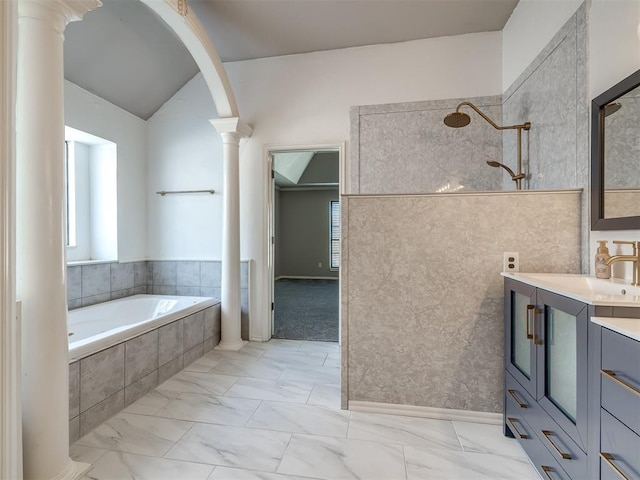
[(427, 412), (288, 277)]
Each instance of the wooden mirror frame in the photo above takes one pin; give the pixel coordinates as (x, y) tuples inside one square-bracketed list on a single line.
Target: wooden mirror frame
[(598, 221)]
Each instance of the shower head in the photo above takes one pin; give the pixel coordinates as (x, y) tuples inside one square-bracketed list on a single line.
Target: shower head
[(611, 108), (493, 163), (457, 120), (514, 177)]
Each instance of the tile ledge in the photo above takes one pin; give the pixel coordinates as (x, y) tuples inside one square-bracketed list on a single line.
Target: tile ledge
[(465, 194), (426, 412)]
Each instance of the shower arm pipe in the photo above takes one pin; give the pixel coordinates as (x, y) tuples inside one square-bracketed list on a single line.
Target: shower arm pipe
[(524, 126)]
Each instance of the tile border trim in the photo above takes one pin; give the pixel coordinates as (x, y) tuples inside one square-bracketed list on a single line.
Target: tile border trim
[(427, 412)]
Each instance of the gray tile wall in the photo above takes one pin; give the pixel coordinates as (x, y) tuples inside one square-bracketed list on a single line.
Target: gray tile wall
[(106, 382), (97, 283), (424, 326)]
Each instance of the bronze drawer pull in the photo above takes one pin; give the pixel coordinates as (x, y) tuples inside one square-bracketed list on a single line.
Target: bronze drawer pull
[(614, 377), (515, 399), (512, 421), (530, 308), (536, 341), (547, 434), (546, 471), (608, 458)]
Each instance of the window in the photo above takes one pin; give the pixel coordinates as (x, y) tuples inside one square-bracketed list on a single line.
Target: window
[(334, 236)]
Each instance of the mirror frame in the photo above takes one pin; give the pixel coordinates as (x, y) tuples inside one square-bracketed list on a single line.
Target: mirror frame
[(598, 221)]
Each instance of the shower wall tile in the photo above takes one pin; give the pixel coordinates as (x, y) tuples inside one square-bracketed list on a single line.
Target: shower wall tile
[(122, 293), (188, 291), (140, 357), (210, 274), (72, 304), (88, 301), (140, 274), (406, 148), (137, 389), (169, 369), (164, 273), (214, 292), (142, 289), (193, 354), (74, 282), (96, 279), (101, 375), (122, 276), (164, 290), (170, 342), (448, 314), (188, 274), (101, 412)]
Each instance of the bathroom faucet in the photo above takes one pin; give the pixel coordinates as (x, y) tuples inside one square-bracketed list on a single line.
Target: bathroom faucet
[(634, 259)]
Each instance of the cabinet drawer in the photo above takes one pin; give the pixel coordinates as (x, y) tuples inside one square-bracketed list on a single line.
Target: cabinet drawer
[(518, 403), (564, 450), (621, 378), (619, 449)]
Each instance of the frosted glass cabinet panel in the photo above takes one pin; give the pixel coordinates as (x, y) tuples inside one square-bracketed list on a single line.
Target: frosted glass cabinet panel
[(520, 342), (561, 364)]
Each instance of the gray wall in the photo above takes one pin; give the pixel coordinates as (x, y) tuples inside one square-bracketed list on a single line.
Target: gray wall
[(406, 148), (303, 218), (422, 292)]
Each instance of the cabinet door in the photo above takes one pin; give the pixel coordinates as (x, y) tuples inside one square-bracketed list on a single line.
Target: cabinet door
[(562, 362), (519, 312)]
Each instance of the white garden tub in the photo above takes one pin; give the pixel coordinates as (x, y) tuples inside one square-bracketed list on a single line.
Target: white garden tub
[(101, 326)]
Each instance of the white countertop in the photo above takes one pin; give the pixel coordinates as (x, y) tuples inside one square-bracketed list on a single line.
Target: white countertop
[(585, 288), (629, 327)]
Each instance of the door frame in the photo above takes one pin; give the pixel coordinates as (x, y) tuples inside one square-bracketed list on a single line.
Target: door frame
[(269, 215)]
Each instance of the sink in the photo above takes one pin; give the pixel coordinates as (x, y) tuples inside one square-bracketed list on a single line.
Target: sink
[(585, 288)]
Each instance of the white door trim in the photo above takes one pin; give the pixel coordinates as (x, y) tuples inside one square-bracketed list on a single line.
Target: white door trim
[(267, 327)]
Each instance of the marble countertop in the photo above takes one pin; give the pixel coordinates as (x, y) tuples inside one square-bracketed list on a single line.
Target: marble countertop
[(584, 288), (629, 327)]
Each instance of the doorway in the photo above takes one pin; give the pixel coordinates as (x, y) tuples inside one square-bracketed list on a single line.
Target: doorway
[(305, 243)]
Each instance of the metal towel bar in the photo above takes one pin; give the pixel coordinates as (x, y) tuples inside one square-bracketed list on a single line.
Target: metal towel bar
[(173, 192)]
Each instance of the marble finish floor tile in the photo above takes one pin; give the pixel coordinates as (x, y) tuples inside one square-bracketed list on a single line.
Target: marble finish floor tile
[(275, 390), (259, 369), (309, 419), (226, 473), (480, 438), (197, 407), (140, 434), (78, 453), (119, 466), (247, 354), (323, 347), (338, 459), (198, 382), (312, 374), (333, 360), (420, 432), (297, 357), (204, 364), (425, 464), (151, 402), (232, 447), (325, 394)]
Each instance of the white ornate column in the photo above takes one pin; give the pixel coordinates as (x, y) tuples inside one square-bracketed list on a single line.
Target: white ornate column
[(231, 130), (41, 265)]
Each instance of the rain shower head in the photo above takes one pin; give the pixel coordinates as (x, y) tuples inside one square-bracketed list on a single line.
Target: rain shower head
[(457, 120), (611, 108)]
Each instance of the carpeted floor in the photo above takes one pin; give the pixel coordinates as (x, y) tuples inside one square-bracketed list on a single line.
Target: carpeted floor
[(306, 310)]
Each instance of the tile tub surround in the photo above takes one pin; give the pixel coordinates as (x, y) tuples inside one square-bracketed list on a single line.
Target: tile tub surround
[(174, 433), (101, 282), (434, 305), (406, 148), (104, 383)]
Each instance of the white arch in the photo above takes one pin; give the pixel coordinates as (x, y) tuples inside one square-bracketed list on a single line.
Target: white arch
[(189, 29)]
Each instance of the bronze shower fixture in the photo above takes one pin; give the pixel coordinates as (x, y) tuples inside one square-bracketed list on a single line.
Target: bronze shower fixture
[(460, 119)]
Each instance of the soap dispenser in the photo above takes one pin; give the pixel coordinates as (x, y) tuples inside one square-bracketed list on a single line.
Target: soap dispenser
[(602, 255)]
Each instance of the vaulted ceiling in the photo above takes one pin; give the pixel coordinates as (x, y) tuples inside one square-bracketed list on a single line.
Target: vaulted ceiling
[(125, 54)]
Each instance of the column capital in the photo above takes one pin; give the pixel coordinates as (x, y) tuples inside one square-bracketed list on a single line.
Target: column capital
[(232, 125), (65, 10)]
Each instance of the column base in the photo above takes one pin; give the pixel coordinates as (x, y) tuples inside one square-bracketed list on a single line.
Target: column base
[(231, 346)]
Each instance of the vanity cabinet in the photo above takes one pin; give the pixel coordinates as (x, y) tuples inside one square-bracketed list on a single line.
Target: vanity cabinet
[(546, 378)]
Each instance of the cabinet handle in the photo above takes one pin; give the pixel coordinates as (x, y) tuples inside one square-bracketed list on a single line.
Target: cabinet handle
[(608, 458), (613, 376), (547, 471), (529, 309), (547, 434), (515, 399), (512, 421), (536, 341)]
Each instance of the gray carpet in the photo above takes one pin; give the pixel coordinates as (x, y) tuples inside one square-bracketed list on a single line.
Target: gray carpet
[(306, 310)]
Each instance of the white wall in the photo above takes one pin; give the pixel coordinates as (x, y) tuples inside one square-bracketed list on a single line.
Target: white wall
[(185, 153), (82, 248), (614, 49), (104, 201), (531, 26), (89, 113), (305, 100)]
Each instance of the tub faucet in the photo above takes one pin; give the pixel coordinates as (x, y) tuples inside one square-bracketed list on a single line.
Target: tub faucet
[(634, 259)]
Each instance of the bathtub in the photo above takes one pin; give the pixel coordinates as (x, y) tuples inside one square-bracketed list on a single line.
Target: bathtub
[(95, 328)]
